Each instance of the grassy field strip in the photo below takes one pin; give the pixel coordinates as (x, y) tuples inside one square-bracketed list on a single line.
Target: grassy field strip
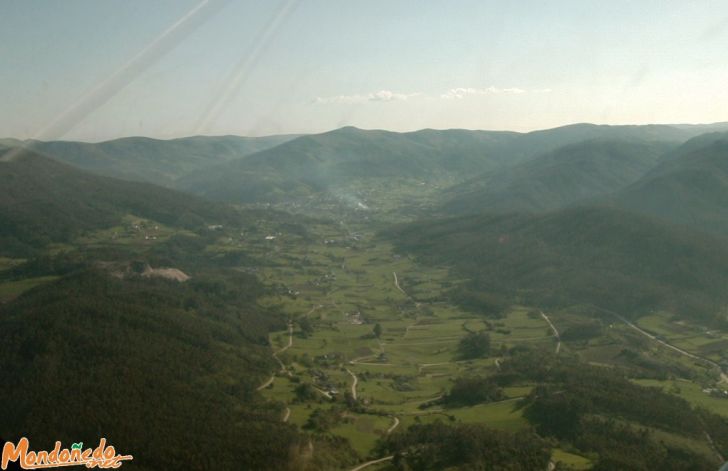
[(577, 462), (430, 342), (723, 376), (12, 289), (689, 391), (715, 449)]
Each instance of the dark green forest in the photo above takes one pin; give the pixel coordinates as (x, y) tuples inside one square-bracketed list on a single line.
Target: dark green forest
[(577, 256)]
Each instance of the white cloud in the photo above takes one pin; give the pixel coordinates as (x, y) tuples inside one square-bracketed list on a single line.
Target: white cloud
[(381, 95), (453, 93), (462, 92), (387, 95)]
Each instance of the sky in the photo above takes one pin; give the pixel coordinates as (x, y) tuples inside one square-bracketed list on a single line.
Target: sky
[(94, 70)]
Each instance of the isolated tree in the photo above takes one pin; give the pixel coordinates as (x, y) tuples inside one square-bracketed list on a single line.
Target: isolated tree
[(306, 326), (474, 345), (377, 330), (305, 392), (349, 400)]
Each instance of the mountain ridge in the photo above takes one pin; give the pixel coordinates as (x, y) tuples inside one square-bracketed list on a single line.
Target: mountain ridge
[(310, 163)]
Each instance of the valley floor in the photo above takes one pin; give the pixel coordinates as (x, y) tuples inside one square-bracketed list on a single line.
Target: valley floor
[(349, 280)]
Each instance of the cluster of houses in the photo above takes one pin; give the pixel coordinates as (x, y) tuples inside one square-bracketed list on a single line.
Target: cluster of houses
[(322, 381), (323, 280), (137, 228), (716, 392), (355, 317)]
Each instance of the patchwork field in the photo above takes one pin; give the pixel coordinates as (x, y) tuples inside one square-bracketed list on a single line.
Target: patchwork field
[(375, 339), (336, 288)]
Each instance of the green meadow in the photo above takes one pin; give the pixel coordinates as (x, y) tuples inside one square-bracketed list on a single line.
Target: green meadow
[(344, 285)]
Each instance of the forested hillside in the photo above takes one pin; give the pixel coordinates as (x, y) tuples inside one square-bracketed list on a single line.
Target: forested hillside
[(690, 187), (568, 175), (44, 201), (609, 258)]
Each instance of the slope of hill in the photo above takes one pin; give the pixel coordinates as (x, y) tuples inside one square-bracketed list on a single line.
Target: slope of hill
[(515, 147), (45, 201), (166, 371), (316, 163), (690, 187), (560, 178), (553, 138), (601, 256), (152, 160), (8, 142)]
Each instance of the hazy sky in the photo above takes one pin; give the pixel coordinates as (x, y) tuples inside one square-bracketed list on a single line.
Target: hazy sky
[(95, 69)]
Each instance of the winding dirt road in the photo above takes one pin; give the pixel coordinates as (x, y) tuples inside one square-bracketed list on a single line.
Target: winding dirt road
[(396, 283), (270, 380), (553, 328), (369, 463), (354, 383), (287, 414), (394, 425), (723, 376)]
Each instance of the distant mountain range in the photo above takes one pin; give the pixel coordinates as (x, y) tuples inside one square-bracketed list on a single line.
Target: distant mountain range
[(316, 163), (276, 168), (675, 173), (152, 160), (319, 162)]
